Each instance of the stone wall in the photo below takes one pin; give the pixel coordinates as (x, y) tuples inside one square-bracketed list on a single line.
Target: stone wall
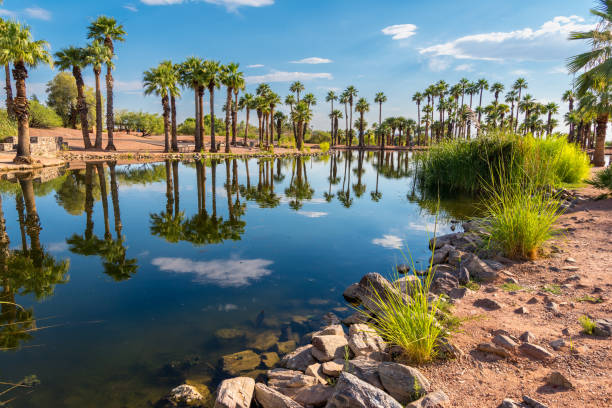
[(39, 145)]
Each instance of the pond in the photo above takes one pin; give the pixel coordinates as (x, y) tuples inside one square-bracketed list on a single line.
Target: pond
[(129, 274)]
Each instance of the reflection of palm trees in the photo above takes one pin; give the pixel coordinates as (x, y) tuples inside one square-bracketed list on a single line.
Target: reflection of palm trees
[(359, 188), (169, 223), (299, 189), (344, 196), (376, 195)]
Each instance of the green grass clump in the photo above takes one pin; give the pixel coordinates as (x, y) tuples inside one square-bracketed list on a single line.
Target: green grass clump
[(587, 324), (324, 146), (511, 287), (412, 325), (603, 179), (590, 299), (553, 289)]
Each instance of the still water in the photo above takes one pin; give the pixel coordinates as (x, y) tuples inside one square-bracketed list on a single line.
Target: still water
[(126, 273)]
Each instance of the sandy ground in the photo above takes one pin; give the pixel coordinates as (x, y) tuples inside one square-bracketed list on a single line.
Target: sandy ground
[(583, 266)]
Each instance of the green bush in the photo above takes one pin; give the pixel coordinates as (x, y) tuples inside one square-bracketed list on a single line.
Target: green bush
[(43, 117), (467, 165), (8, 127), (324, 147), (587, 324), (603, 179), (187, 127)]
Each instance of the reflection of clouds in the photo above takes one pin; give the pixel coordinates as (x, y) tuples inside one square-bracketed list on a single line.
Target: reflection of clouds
[(145, 188), (57, 246), (389, 241), (224, 273), (312, 214), (425, 226), (227, 307), (318, 200)]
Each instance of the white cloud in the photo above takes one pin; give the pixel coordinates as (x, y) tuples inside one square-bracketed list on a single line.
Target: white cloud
[(312, 214), (8, 13), (225, 273), (38, 13), (161, 2), (520, 72), (389, 241), (228, 307), (426, 227), (57, 246), (400, 31), (439, 64), (312, 60), (465, 68), (255, 66), (229, 4), (559, 70), (282, 76), (131, 7), (547, 42)]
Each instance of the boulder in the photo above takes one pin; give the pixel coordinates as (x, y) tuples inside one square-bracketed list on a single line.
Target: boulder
[(370, 286), (436, 399), (357, 317), (440, 255), (603, 327), (406, 283), (556, 379), (455, 256), (311, 396), (332, 368), (487, 304), (184, 396), (270, 398), (402, 382), (299, 359), (493, 349), (283, 378), (366, 370), (235, 393), (316, 371), (444, 280), (363, 340), (334, 330), (352, 294), (233, 364), (479, 269), (448, 239), (537, 352), (351, 392), (328, 347)]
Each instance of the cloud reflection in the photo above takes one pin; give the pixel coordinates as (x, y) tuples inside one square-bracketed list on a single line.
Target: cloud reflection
[(389, 241)]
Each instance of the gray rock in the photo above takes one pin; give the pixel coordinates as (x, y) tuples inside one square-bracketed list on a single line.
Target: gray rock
[(283, 378), (556, 379), (357, 317), (487, 304), (406, 284), (334, 330), (508, 403), (559, 344), (455, 256), (299, 359), (436, 399), (351, 392), (493, 349), (363, 340), (521, 310), (533, 403), (185, 395), (366, 370), (369, 288), (235, 393), (328, 347), (603, 327), (311, 396), (537, 352), (440, 255), (402, 382), (527, 337), (439, 242), (352, 294), (270, 398), (479, 269), (464, 275), (505, 342)]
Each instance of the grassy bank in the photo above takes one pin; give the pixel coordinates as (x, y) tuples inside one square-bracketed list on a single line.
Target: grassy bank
[(469, 165)]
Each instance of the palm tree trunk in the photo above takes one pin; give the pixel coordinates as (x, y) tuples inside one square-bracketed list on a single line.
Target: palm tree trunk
[(351, 124), (600, 141), (110, 116), (174, 143), (198, 109), (175, 184), (166, 111), (246, 128), (213, 144), (9, 92), (115, 198), (234, 118), (22, 112), (104, 194), (346, 119), (98, 142), (201, 116), (517, 110), (82, 106), (228, 114)]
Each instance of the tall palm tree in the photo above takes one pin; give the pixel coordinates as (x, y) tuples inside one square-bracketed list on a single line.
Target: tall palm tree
[(496, 89), (160, 81), (73, 58), (527, 105), (518, 86), (97, 56), (273, 100), (7, 69), (551, 108), (290, 101), (310, 101), (106, 30), (351, 91), (260, 104), (599, 103), (296, 88), (569, 96), (22, 51), (511, 99), (191, 75), (362, 107), (380, 98), (344, 99), (230, 77), (246, 102), (301, 114), (174, 93), (482, 85), (212, 79), (239, 85), (335, 115), (418, 98), (331, 97)]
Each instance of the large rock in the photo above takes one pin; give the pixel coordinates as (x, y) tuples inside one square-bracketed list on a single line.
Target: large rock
[(441, 255), (493, 349), (234, 364), (534, 351), (351, 392), (370, 287), (439, 242), (328, 347), (311, 396), (406, 284), (332, 368), (603, 327), (235, 393), (299, 359), (270, 398), (334, 330), (479, 269), (283, 378), (316, 371), (436, 399), (444, 280), (364, 341), (184, 396), (366, 370), (402, 382)]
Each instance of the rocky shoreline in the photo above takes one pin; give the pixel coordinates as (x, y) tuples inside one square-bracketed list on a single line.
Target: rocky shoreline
[(353, 367)]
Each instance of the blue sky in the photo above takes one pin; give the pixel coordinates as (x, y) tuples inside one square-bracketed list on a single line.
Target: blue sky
[(395, 46)]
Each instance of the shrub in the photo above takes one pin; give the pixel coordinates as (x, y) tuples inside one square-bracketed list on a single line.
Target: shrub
[(587, 324), (324, 147), (43, 117), (603, 179), (8, 127), (187, 127)]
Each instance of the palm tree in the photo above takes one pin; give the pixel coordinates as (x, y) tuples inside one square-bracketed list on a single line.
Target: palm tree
[(290, 101), (98, 55), (7, 70), (551, 109), (175, 92), (569, 96), (482, 84), (106, 30), (518, 86), (230, 77), (331, 97), (511, 99), (526, 106), (21, 50), (191, 75), (239, 85), (272, 99), (310, 102), (418, 98), (351, 91), (296, 88), (496, 89), (599, 103), (344, 99), (160, 81), (246, 102), (260, 104), (335, 115), (212, 79), (301, 114), (380, 98), (73, 58), (362, 107), (279, 118)]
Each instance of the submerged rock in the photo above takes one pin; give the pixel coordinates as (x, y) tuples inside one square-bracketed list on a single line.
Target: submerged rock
[(284, 347), (264, 341), (351, 392), (235, 393), (230, 333), (181, 397), (234, 364), (270, 359)]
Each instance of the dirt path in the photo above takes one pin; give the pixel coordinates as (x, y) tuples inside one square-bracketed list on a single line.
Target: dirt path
[(580, 269)]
